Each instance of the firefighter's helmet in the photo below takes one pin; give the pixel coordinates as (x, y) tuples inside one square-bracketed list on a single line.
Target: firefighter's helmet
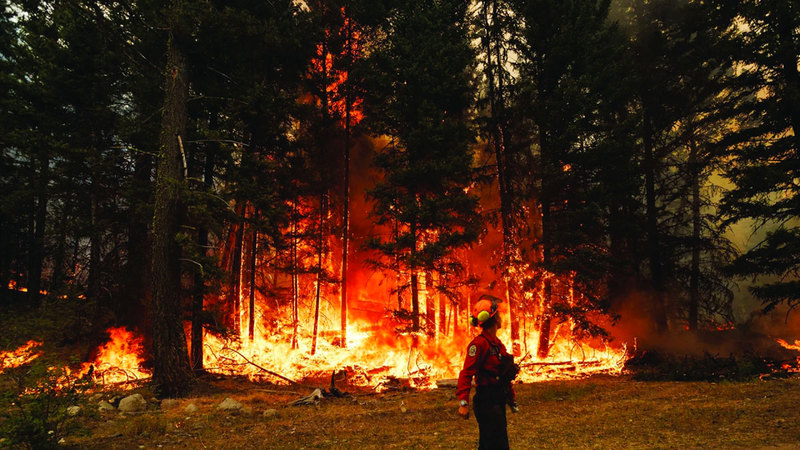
[(484, 309)]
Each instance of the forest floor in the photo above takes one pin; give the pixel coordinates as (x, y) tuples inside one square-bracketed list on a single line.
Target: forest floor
[(593, 413)]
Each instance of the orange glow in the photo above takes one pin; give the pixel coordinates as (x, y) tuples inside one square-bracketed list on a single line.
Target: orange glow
[(119, 360), (22, 355), (796, 346), (335, 78)]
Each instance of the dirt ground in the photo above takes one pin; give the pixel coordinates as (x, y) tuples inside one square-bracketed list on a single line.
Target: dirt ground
[(594, 413)]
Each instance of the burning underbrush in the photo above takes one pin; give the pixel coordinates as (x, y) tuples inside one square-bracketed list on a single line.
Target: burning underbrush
[(380, 359), (375, 359)]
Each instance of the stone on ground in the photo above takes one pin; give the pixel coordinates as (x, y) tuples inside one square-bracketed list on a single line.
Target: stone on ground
[(104, 406), (73, 411), (230, 404), (133, 403), (190, 408)]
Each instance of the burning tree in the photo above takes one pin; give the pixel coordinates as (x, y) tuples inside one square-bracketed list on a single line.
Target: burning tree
[(424, 196)]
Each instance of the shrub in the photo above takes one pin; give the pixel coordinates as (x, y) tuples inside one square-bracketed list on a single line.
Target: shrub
[(33, 413)]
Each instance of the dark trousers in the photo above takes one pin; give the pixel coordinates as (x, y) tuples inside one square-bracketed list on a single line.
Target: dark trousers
[(489, 405)]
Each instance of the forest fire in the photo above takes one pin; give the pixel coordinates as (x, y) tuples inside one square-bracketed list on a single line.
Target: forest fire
[(118, 361), (380, 353), (25, 354)]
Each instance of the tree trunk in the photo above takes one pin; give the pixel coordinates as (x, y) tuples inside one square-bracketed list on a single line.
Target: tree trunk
[(544, 314), (295, 281), (694, 280), (320, 245), (346, 207), (414, 284), (658, 311), (234, 286), (788, 59), (5, 251), (441, 302), (253, 251), (57, 281), (37, 249), (199, 278), (137, 267), (430, 305), (93, 290), (172, 373)]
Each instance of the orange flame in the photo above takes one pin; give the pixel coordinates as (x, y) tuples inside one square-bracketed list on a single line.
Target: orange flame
[(119, 360), (22, 355)]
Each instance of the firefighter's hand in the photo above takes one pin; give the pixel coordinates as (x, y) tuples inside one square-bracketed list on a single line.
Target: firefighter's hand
[(463, 411)]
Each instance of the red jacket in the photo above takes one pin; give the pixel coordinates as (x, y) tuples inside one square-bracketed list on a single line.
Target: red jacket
[(482, 362)]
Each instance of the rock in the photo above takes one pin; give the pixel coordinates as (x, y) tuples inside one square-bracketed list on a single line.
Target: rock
[(269, 413), (95, 398), (230, 405), (133, 403), (190, 408), (247, 410), (104, 406), (73, 411), (168, 403)]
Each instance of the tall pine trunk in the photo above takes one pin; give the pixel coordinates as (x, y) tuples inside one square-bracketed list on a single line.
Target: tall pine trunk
[(295, 281), (37, 249), (694, 277), (788, 52), (320, 245), (430, 304), (544, 314), (94, 240), (198, 296), (348, 106), (172, 373), (414, 283), (137, 267), (235, 283), (658, 309), (57, 281), (253, 251)]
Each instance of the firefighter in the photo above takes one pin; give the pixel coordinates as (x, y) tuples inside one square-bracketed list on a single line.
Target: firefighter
[(493, 388)]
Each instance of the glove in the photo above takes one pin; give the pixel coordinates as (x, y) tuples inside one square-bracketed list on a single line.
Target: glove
[(463, 411), (514, 408)]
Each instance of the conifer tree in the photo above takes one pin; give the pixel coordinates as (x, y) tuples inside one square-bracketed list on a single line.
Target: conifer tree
[(766, 148), (421, 94)]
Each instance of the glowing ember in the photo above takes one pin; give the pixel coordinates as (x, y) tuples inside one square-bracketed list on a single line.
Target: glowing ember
[(22, 355), (119, 360)]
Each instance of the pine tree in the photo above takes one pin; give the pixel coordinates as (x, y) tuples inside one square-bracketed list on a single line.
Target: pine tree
[(766, 148), (567, 55), (420, 96)]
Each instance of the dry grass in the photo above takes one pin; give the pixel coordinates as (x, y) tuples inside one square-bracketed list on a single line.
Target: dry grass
[(598, 413)]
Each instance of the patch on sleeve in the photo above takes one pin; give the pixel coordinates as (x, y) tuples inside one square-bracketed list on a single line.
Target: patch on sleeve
[(473, 350)]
